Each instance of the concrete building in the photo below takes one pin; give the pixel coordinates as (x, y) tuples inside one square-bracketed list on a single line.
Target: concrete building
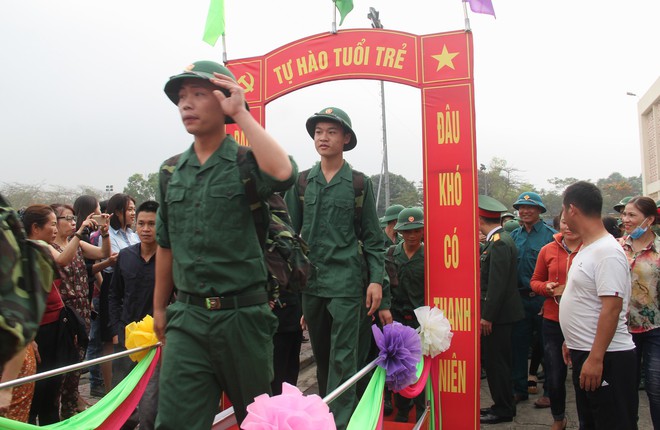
[(648, 108)]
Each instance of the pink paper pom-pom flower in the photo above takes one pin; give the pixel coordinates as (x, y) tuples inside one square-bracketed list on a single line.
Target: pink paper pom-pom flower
[(290, 410)]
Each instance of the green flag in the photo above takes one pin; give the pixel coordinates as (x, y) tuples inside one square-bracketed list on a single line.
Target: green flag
[(215, 22), (344, 7)]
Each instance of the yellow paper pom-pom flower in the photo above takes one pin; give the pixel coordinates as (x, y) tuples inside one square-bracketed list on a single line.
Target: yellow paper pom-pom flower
[(140, 334)]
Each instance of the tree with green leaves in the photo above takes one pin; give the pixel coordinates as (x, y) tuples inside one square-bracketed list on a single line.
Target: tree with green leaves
[(141, 188), (402, 192)]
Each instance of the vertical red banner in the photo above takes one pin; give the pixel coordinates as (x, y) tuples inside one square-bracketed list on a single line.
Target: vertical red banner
[(441, 65), (452, 266)]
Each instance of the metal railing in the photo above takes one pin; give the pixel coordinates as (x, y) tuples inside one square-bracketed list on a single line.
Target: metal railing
[(72, 367), (225, 419), (222, 421)]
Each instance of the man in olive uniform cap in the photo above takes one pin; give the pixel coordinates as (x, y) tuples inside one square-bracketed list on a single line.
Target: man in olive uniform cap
[(389, 219), (325, 216), (501, 307), (622, 204), (508, 216), (218, 335), (405, 266), (529, 238)]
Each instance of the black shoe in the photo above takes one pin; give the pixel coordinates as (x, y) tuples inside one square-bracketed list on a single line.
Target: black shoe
[(485, 411), (517, 398), (400, 418), (494, 419), (387, 407)]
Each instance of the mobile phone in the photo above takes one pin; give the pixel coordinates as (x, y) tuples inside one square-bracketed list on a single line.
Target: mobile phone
[(100, 219)]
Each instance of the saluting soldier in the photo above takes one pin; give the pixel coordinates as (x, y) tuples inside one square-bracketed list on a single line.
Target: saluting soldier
[(220, 330), (501, 307)]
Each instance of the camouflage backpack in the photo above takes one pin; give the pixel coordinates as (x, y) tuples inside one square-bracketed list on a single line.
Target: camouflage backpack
[(284, 250), (27, 271)]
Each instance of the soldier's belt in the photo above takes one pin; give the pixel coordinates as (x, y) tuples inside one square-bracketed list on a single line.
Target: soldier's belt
[(224, 303)]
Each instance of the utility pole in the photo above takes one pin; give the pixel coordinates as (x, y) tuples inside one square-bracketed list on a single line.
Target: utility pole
[(375, 23)]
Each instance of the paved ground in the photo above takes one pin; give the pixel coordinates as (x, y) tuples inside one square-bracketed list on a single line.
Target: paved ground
[(528, 417)]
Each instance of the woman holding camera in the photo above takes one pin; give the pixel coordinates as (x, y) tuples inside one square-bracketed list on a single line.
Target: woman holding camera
[(549, 280), (74, 288)]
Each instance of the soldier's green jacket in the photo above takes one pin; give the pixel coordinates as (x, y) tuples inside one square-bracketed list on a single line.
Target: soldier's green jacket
[(408, 295), (327, 224), (205, 220), (500, 300)]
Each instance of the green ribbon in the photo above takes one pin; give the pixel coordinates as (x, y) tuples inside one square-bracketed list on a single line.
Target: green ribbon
[(367, 413), (94, 416)]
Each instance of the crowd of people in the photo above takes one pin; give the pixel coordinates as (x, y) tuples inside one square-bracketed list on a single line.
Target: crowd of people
[(568, 295), (582, 293)]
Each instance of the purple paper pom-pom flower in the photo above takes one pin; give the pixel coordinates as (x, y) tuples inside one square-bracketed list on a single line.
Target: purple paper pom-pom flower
[(400, 351)]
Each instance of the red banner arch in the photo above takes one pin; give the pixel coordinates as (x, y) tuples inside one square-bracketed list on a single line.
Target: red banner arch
[(441, 66)]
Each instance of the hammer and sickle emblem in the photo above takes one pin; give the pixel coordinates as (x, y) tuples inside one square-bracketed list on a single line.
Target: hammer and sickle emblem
[(247, 81)]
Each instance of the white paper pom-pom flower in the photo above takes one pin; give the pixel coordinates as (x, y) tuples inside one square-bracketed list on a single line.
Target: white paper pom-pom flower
[(435, 330)]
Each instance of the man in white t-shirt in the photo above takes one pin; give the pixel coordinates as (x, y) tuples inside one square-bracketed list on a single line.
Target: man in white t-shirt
[(592, 314)]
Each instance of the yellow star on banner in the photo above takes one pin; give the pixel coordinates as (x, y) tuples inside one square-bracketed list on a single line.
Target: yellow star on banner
[(445, 58)]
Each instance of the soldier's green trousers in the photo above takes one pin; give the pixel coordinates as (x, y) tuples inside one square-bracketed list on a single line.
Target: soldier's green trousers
[(333, 325), (207, 352)]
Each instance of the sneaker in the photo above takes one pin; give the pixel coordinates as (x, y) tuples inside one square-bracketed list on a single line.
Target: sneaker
[(97, 391)]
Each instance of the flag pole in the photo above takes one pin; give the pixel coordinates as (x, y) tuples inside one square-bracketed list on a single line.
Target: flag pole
[(334, 18), (465, 13), (224, 50)]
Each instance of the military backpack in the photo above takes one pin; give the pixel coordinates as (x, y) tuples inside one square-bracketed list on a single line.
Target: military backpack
[(284, 250), (27, 271)]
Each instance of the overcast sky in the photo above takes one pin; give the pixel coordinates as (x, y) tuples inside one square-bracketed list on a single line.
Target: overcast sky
[(83, 102)]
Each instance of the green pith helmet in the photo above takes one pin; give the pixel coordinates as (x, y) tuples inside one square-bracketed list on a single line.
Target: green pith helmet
[(507, 214), (332, 114), (511, 225), (392, 213), (622, 204), (530, 199), (410, 219), (490, 207), (199, 70), (382, 223)]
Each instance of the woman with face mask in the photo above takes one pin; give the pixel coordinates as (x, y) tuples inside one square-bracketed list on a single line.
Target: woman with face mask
[(642, 247)]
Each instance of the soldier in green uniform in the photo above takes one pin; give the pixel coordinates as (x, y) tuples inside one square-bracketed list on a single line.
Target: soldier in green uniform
[(218, 334), (619, 207), (508, 216), (530, 237), (405, 266), (390, 236), (501, 307), (325, 215)]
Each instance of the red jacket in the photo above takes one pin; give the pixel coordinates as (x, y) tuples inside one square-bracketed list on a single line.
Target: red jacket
[(552, 265)]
